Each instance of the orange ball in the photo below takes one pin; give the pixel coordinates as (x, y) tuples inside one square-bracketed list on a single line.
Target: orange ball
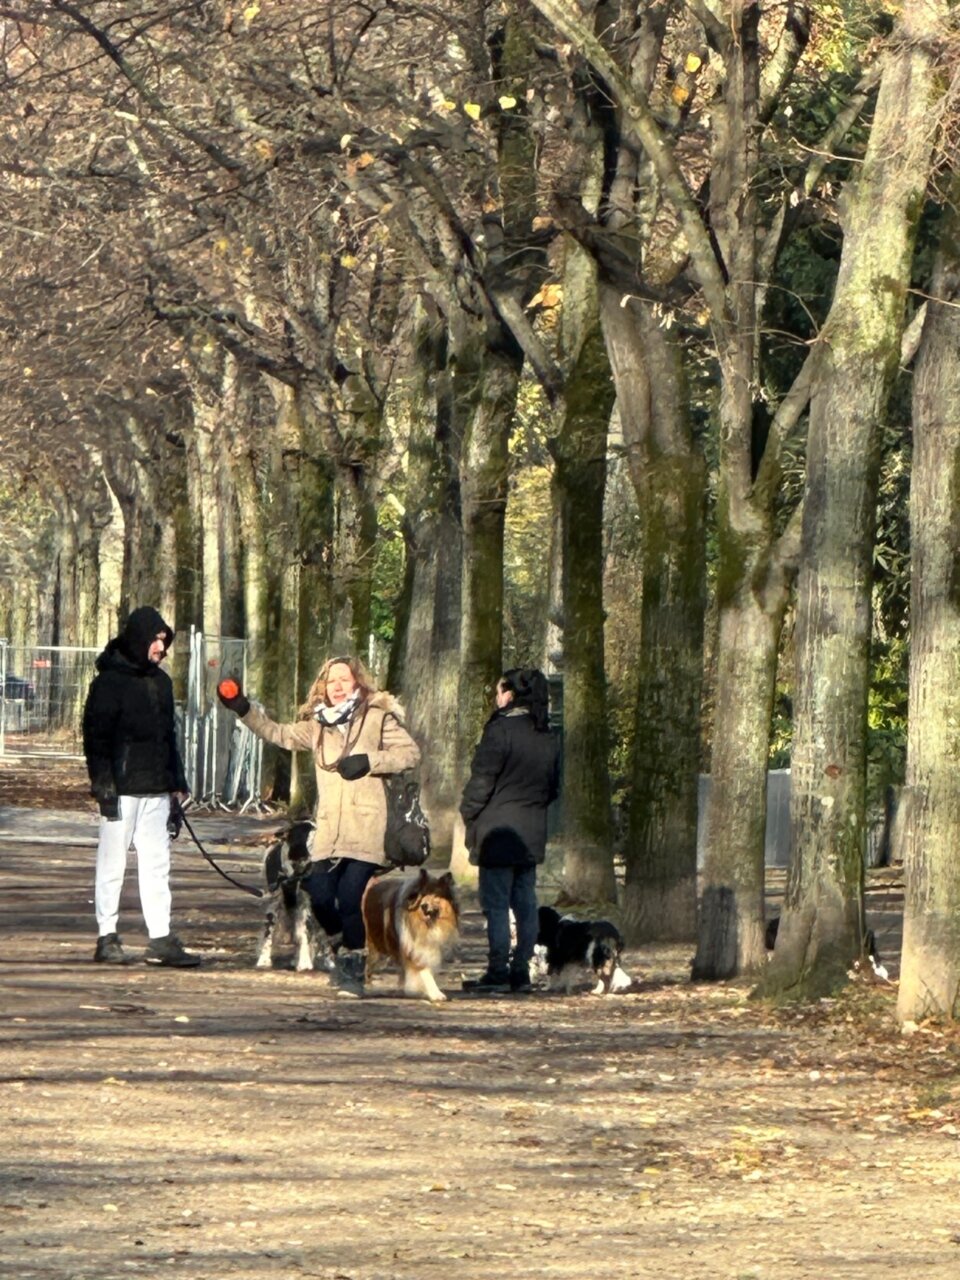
[(229, 688)]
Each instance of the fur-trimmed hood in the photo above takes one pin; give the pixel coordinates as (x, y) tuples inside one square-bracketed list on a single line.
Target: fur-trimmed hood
[(381, 699)]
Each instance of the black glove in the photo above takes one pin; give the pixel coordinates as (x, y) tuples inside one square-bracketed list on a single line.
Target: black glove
[(175, 820), (109, 807), (353, 767), (239, 703)]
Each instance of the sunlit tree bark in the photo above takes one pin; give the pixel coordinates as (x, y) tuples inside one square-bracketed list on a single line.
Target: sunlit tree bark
[(822, 926), (929, 821)]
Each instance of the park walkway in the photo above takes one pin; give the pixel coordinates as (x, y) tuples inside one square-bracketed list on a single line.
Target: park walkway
[(229, 1122)]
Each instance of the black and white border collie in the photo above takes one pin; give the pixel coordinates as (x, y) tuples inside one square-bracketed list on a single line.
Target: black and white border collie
[(576, 949), (286, 903)]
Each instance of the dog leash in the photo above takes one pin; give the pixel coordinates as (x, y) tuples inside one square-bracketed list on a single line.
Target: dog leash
[(247, 888)]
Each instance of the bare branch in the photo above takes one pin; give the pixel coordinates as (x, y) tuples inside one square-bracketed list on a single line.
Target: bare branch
[(640, 120)]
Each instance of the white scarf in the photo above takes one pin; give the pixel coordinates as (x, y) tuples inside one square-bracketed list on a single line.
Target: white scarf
[(340, 715)]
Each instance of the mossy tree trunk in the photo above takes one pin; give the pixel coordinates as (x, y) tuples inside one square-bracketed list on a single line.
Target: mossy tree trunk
[(511, 272), (821, 930), (753, 573), (668, 473), (303, 555), (930, 830), (580, 474), (425, 659), (209, 487), (87, 570), (731, 931), (349, 429), (484, 473), (252, 517), (579, 451)]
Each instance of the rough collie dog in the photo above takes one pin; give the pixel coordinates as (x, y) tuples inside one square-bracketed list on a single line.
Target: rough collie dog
[(286, 903), (575, 949), (414, 921)]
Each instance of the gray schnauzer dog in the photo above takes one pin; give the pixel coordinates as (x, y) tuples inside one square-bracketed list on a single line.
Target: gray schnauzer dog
[(287, 906)]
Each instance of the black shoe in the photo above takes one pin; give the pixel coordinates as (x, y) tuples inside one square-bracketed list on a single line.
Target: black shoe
[(110, 950), (520, 981), (169, 951), (488, 981), (349, 972)]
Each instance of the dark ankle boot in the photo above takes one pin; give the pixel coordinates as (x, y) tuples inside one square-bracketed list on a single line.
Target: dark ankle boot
[(489, 980), (350, 973)]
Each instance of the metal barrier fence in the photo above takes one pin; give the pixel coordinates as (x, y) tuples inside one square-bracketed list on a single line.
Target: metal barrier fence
[(221, 758), (43, 689)]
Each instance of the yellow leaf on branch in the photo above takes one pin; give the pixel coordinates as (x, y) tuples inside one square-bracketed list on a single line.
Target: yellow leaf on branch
[(472, 109), (549, 295)]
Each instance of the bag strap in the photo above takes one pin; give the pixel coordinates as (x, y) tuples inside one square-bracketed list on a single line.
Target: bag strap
[(393, 716), (347, 744)]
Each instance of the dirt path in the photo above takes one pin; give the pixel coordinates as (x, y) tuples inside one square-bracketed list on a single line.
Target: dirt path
[(228, 1122)]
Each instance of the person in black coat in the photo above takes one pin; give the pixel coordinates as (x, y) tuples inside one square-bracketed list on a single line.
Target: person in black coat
[(135, 776), (513, 778)]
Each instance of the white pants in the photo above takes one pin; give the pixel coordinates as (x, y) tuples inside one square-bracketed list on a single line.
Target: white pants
[(142, 823)]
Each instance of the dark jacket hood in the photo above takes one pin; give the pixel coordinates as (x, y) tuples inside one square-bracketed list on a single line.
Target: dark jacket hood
[(133, 643)]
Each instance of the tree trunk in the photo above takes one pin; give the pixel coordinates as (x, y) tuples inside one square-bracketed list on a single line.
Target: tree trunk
[(67, 611), (208, 466), (425, 659), (484, 469), (822, 926), (580, 474), (731, 935), (930, 836), (89, 532), (252, 518), (346, 427), (110, 570), (668, 474), (186, 525)]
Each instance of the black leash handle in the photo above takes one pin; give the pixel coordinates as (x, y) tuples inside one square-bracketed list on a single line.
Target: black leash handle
[(247, 888)]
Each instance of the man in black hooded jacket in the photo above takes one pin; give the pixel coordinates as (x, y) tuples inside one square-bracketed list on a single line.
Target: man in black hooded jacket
[(135, 774)]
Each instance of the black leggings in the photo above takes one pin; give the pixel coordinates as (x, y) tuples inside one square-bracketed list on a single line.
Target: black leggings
[(336, 887)]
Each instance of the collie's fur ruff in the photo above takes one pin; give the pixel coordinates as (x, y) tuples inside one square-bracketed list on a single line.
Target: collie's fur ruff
[(286, 904), (414, 921)]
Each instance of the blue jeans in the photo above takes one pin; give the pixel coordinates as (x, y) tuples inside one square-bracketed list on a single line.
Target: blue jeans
[(336, 887), (503, 889)]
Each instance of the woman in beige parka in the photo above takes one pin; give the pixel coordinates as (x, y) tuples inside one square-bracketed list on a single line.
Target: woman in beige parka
[(356, 736)]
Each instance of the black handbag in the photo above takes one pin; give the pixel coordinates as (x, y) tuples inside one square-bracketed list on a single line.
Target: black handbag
[(406, 841)]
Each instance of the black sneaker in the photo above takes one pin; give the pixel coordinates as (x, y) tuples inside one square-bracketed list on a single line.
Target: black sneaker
[(488, 982), (110, 950), (169, 951), (520, 981)]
